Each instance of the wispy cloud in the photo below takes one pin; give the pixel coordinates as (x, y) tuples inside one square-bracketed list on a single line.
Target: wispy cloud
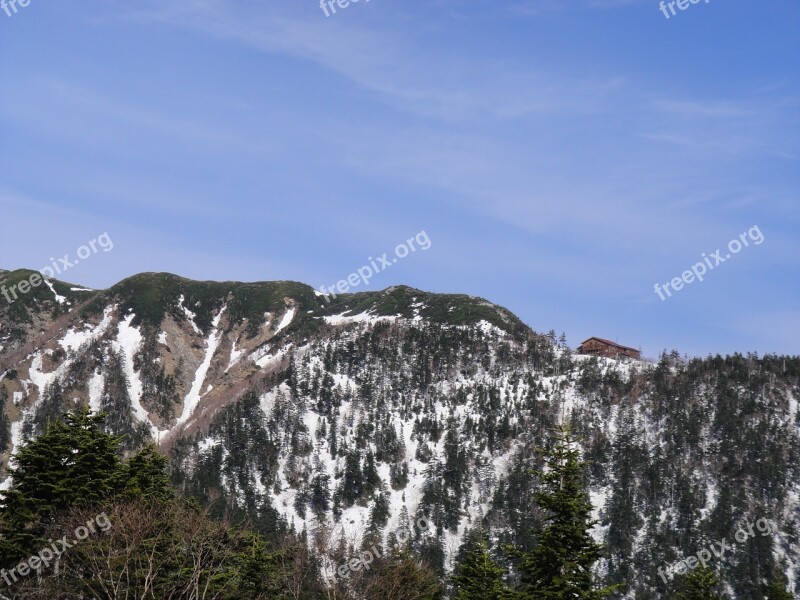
[(387, 63), (707, 110)]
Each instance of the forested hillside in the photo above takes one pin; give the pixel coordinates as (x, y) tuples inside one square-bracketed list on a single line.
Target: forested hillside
[(343, 425)]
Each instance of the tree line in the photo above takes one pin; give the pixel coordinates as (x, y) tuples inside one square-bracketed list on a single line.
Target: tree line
[(161, 544)]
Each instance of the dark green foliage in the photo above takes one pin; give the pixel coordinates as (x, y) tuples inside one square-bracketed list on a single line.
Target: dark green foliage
[(777, 589), (623, 517), (398, 475), (151, 296), (320, 495), (155, 545), (352, 487), (560, 565), (453, 309), (50, 410), (479, 577), (38, 301), (74, 462), (253, 448), (700, 584), (115, 403), (145, 475), (5, 425), (258, 570), (379, 515), (159, 393)]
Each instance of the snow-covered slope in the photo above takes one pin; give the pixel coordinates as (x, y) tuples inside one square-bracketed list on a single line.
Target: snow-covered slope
[(349, 420)]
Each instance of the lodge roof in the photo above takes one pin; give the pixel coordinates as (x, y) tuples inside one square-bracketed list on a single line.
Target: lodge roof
[(609, 343)]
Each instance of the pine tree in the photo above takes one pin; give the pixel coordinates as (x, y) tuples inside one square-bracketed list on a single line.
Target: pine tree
[(777, 589), (146, 475), (74, 462), (559, 567), (258, 572), (479, 577), (700, 584)]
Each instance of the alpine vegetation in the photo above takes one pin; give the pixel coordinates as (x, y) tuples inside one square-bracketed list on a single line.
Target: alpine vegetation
[(56, 267), (51, 554), (301, 439), (366, 557), (715, 550)]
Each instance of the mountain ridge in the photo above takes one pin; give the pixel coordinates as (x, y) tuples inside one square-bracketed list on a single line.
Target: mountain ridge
[(342, 420)]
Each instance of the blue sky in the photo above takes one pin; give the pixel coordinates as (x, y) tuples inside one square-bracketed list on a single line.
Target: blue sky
[(562, 156)]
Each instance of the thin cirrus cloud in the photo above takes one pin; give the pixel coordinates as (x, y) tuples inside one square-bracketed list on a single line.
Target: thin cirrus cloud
[(539, 167), (381, 61), (105, 120), (498, 181)]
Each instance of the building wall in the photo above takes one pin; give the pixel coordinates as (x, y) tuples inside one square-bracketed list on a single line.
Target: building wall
[(601, 349)]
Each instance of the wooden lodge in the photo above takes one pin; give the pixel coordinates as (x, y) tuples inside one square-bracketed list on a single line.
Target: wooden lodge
[(600, 347)]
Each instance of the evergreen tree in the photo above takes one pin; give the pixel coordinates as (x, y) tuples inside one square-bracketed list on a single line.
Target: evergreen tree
[(352, 485), (700, 584), (777, 589), (5, 425), (146, 475), (320, 495), (74, 462), (559, 567), (479, 577), (258, 571)]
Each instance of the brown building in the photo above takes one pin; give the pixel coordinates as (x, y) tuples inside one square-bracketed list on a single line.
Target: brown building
[(600, 347)]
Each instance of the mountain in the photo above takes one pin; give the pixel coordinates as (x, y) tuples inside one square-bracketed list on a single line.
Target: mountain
[(348, 418)]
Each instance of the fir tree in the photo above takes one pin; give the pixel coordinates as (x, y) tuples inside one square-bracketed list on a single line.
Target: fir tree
[(258, 571), (559, 567), (777, 589), (479, 577), (146, 475), (700, 584), (74, 462)]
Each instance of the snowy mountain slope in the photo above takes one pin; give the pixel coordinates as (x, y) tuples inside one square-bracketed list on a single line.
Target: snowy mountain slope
[(348, 419)]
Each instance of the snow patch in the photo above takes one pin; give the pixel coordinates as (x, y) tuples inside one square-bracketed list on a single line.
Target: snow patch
[(74, 339), (59, 299), (190, 316), (365, 317), (266, 359), (236, 356), (96, 385), (287, 319), (208, 443), (128, 342), (192, 399)]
